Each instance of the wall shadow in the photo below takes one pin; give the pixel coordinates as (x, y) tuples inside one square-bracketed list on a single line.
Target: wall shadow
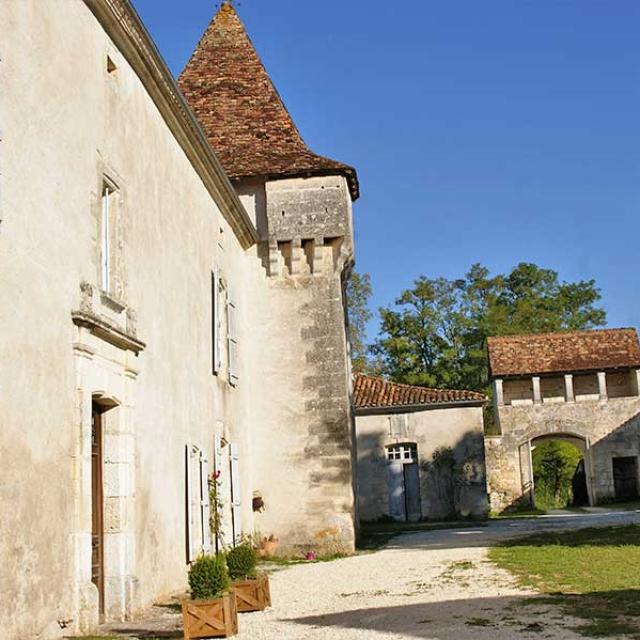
[(478, 618), (452, 479)]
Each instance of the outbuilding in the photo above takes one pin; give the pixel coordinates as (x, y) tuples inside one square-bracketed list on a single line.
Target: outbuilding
[(420, 451)]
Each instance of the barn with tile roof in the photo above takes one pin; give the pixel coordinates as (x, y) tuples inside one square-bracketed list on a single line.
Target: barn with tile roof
[(420, 451), (581, 387)]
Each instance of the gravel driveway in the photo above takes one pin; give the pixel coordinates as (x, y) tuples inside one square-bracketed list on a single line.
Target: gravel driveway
[(431, 584)]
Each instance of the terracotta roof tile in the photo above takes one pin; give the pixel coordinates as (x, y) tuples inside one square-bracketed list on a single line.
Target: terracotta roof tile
[(564, 352), (370, 392), (241, 111)]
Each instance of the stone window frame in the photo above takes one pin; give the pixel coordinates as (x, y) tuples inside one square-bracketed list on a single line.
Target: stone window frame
[(115, 297)]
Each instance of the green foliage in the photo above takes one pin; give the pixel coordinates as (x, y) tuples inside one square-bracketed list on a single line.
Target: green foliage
[(241, 561), (435, 334), (554, 463), (358, 312), (208, 577)]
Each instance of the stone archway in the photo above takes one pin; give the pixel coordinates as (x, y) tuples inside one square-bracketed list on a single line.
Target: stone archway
[(579, 441)]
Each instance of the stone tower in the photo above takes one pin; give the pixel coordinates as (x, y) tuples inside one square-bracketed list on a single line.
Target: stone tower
[(302, 436)]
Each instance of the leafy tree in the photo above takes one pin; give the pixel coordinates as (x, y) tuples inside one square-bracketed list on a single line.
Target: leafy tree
[(435, 334), (358, 294), (554, 463)]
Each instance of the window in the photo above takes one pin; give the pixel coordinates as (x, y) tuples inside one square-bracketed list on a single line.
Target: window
[(111, 66), (223, 319), (403, 452), (107, 237)]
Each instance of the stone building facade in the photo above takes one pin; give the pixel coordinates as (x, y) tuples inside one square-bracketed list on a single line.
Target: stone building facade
[(420, 452), (173, 304), (582, 387)]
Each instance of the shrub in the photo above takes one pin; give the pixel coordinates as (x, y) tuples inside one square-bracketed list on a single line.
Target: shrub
[(241, 561), (208, 577)]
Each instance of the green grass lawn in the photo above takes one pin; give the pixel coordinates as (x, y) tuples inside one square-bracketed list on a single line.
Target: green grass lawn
[(593, 574)]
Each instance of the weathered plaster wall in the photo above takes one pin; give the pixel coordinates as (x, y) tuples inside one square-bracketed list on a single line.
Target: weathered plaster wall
[(289, 413), (65, 123), (451, 460), (612, 428)]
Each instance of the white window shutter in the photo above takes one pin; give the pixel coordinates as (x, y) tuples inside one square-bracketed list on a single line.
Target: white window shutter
[(189, 496), (217, 467), (205, 507), (236, 499), (232, 340), (215, 322)]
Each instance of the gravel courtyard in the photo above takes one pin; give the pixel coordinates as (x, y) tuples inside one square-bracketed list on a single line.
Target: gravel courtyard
[(432, 584)]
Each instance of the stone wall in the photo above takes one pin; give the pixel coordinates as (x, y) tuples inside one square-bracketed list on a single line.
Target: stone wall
[(303, 437), (70, 120), (450, 454), (608, 428)]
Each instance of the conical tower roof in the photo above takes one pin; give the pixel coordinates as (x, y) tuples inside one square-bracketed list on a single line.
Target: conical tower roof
[(241, 112)]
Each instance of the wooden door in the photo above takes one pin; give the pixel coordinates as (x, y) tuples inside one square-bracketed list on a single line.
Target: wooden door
[(97, 508), (625, 477), (412, 492)]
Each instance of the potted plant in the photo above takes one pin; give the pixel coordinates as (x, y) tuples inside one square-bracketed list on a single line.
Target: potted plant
[(212, 610), (268, 546), (251, 588)]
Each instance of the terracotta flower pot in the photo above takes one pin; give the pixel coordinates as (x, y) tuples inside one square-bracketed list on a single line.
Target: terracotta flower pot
[(210, 618), (252, 595), (270, 547)]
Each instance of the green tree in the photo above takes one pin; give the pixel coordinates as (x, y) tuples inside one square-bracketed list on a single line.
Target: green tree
[(435, 334), (359, 314), (554, 463)]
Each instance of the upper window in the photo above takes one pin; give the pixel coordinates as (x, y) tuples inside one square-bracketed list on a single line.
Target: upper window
[(403, 452), (107, 234)]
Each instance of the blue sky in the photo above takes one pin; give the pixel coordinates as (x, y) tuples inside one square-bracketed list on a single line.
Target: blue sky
[(495, 132)]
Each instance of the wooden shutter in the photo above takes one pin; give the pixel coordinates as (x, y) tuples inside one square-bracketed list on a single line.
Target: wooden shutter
[(215, 321), (205, 507), (236, 512), (232, 340), (189, 515), (217, 467)]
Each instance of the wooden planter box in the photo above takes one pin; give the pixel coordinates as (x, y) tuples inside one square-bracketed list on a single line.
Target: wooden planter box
[(210, 618), (252, 595)]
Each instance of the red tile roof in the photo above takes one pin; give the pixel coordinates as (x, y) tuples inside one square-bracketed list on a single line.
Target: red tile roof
[(370, 392), (564, 352), (241, 112)]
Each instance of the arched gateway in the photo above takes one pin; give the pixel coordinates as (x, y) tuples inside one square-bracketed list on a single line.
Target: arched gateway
[(578, 387)]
